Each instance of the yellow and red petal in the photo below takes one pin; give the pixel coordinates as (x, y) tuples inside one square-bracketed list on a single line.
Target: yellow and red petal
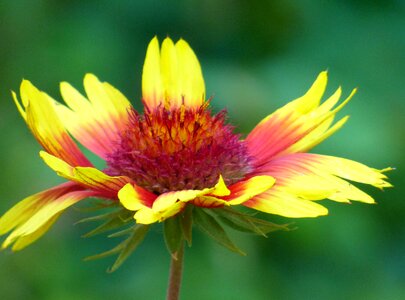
[(298, 126), (98, 121), (147, 215), (88, 177), (151, 208), (26, 240), (239, 192), (133, 197), (166, 200), (169, 199), (22, 211), (304, 177), (143, 202), (171, 203), (210, 202), (172, 76), (32, 217), (38, 111), (236, 194), (247, 189)]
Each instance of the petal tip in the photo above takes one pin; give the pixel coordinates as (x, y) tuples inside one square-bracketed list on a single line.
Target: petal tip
[(89, 77), (153, 44), (167, 40)]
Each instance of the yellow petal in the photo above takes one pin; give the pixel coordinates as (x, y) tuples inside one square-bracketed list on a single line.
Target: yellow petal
[(344, 168), (86, 176), (17, 103), (309, 186), (146, 216), (313, 96), (170, 72), (171, 211), (287, 205), (318, 135), (236, 194), (166, 200), (26, 240), (19, 213), (152, 91), (190, 75), (330, 102), (220, 188), (73, 98), (43, 215), (303, 177), (172, 77), (348, 192), (150, 209), (38, 111), (321, 185)]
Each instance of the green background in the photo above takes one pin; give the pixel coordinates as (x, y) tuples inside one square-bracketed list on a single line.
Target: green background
[(256, 56)]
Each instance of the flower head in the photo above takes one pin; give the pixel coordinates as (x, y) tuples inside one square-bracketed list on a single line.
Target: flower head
[(177, 153)]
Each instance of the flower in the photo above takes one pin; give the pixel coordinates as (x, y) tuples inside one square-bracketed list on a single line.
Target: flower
[(178, 153)]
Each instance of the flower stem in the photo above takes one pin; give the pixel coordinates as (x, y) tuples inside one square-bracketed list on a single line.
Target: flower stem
[(176, 269)]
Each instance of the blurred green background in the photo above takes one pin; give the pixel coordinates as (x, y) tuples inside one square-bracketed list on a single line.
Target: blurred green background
[(256, 56)]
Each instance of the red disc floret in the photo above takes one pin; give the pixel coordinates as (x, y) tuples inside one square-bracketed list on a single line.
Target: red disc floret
[(179, 148)]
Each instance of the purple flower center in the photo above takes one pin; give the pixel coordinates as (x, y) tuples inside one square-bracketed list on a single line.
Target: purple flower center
[(169, 150)]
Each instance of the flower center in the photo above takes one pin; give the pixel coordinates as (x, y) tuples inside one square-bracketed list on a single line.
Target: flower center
[(177, 149)]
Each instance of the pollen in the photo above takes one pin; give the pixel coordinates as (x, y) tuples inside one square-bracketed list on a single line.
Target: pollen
[(178, 149)]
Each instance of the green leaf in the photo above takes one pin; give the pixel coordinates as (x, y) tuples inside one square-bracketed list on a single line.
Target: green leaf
[(100, 217), (106, 226), (99, 205), (267, 227), (241, 225), (211, 227), (122, 232), (120, 247), (247, 223), (186, 222), (129, 246), (173, 234), (107, 253), (113, 220)]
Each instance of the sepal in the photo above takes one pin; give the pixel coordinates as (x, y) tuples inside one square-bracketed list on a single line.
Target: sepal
[(113, 221), (186, 223), (209, 225), (117, 219), (247, 223), (173, 235), (125, 248)]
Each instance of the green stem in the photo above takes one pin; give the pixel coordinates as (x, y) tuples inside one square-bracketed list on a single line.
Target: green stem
[(176, 269)]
